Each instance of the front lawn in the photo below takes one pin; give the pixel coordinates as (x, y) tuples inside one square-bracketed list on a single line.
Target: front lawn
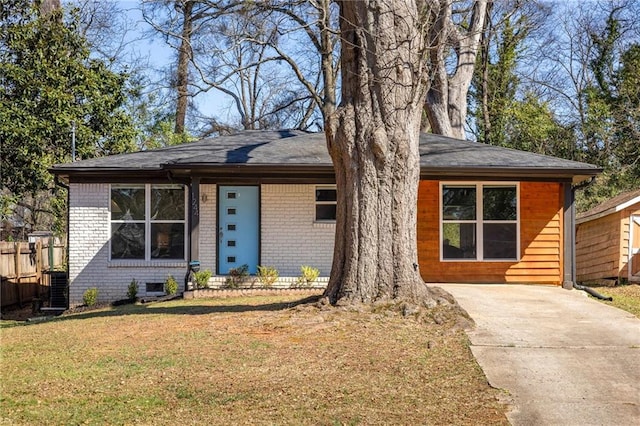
[(625, 297), (241, 361)]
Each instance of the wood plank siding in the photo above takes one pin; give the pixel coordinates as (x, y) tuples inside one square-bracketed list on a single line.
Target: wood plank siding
[(602, 246), (541, 242), (599, 248)]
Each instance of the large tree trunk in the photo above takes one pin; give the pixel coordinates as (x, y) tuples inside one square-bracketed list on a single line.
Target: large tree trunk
[(373, 141)]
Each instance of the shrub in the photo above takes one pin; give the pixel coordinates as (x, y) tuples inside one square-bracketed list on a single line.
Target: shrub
[(237, 276), (308, 275), (171, 285), (90, 296), (202, 278), (267, 275), (132, 291)]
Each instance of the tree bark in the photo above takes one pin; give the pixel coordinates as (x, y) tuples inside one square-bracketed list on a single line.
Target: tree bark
[(447, 97), (485, 134), (184, 56), (373, 140), (48, 6)]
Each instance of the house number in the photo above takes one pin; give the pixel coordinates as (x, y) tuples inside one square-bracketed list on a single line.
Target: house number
[(195, 207)]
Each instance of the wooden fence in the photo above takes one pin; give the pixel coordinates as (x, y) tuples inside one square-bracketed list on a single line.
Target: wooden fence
[(23, 269)]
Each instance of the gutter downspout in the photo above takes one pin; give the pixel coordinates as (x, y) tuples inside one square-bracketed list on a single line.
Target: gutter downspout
[(193, 254), (592, 292), (570, 232)]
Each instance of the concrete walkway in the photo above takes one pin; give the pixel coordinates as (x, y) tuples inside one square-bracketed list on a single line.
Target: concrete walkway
[(563, 358)]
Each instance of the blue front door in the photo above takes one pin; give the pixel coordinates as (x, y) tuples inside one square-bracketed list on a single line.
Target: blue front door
[(238, 228)]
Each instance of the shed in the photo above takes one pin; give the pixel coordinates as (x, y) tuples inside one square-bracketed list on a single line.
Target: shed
[(608, 240)]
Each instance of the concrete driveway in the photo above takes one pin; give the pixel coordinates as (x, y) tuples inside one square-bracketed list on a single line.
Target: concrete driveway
[(563, 358)]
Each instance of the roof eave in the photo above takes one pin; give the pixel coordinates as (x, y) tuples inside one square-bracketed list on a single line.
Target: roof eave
[(244, 170), (607, 212), (573, 175)]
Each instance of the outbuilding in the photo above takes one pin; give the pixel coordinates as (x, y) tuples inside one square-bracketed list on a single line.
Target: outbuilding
[(608, 241), (485, 214)]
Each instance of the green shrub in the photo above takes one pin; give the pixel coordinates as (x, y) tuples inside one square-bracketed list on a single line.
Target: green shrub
[(132, 291), (267, 275), (171, 285), (202, 278), (308, 275), (90, 296), (237, 276)]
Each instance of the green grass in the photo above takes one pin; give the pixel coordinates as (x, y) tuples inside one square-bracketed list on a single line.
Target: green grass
[(626, 297), (239, 361)]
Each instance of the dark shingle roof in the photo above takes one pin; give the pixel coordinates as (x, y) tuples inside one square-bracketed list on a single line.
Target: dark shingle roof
[(283, 149), (292, 148), (436, 150), (234, 149)]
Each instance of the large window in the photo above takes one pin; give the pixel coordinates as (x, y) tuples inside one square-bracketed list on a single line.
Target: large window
[(326, 199), (479, 221), (148, 222)]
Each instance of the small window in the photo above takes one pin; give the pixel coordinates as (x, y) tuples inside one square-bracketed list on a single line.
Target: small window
[(231, 227), (154, 287), (326, 204), (231, 243), (231, 195), (231, 259), (231, 211)]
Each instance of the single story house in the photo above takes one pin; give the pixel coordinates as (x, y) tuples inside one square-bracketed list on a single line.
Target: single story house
[(485, 214), (608, 240)]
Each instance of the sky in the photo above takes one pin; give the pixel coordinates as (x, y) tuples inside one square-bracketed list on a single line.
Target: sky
[(141, 43), (161, 55)]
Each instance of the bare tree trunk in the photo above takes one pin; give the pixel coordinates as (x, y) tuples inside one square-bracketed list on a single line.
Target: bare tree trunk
[(184, 56), (447, 97), (48, 6), (373, 141), (485, 136), (326, 54)]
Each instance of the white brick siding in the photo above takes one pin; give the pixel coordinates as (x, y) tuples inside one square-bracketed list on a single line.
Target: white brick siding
[(290, 236), (89, 265), (208, 225)]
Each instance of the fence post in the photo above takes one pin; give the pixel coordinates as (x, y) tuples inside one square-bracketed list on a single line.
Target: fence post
[(39, 261), (52, 242), (18, 267)]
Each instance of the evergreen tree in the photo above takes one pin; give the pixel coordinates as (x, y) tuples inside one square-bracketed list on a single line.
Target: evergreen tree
[(49, 82)]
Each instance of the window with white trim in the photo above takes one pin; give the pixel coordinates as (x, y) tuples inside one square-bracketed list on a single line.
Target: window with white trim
[(148, 222), (326, 201), (479, 221)]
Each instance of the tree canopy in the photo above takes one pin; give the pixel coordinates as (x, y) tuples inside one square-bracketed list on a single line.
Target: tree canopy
[(551, 77)]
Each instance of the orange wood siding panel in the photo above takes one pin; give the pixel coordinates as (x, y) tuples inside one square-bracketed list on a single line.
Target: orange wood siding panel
[(599, 248), (540, 240)]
